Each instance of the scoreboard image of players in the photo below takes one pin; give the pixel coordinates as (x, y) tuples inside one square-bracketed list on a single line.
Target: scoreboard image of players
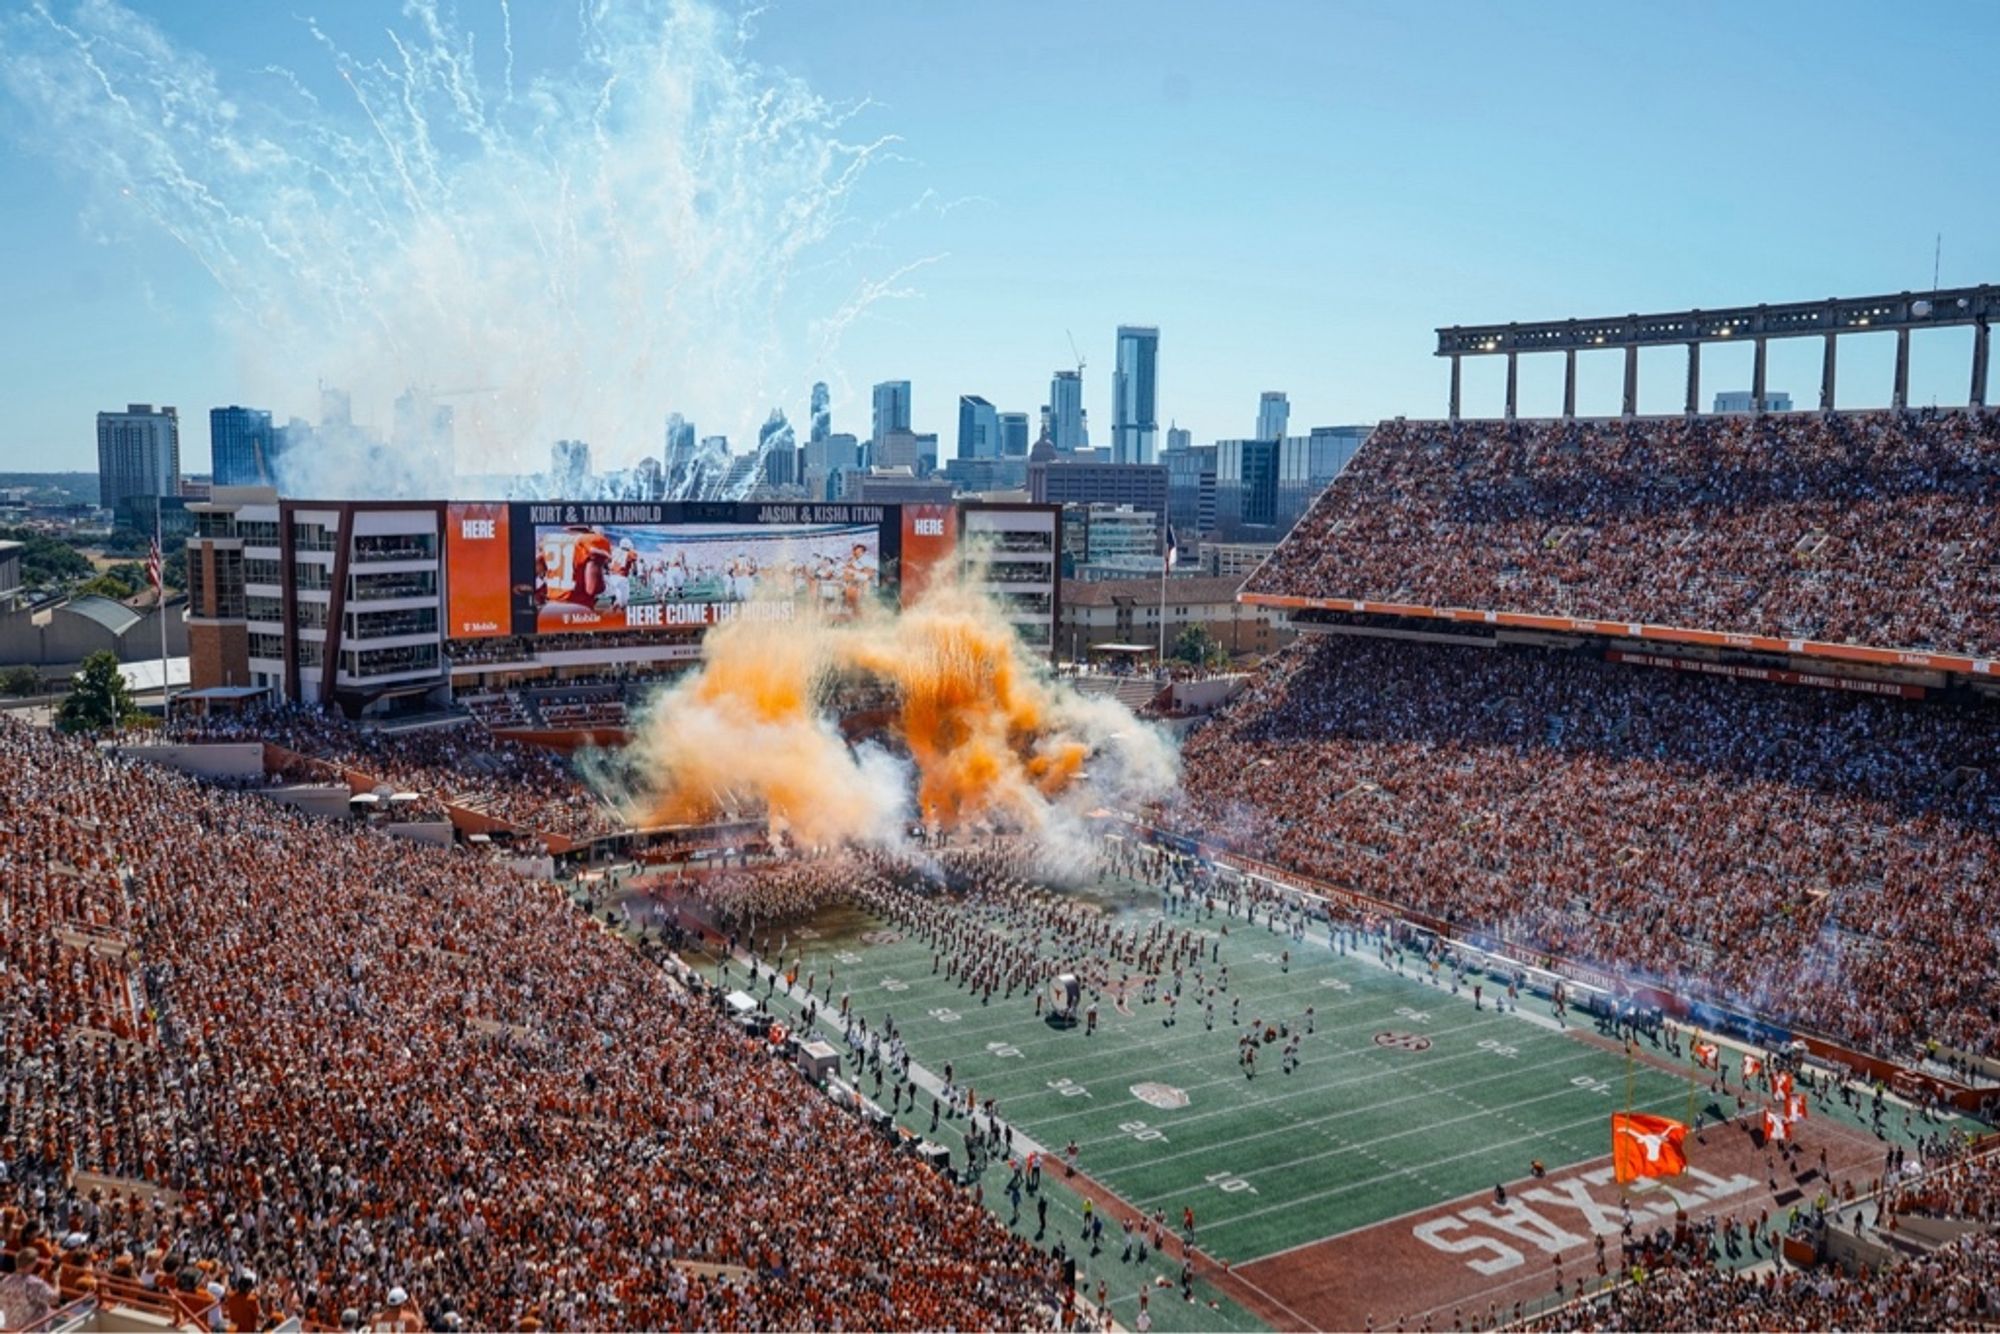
[(529, 568)]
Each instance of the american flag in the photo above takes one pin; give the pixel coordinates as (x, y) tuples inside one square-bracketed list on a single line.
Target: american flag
[(153, 572)]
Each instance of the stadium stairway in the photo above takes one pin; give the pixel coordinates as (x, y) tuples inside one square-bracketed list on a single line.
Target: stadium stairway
[(1134, 692)]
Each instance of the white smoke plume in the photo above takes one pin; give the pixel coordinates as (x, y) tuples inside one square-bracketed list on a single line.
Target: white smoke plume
[(657, 222)]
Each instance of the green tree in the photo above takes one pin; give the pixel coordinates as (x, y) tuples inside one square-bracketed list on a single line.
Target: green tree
[(174, 570), (47, 562), (19, 681), (128, 542), (106, 585), (99, 700), (1197, 646)]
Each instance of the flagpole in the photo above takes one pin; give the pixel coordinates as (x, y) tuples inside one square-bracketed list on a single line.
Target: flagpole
[(1166, 554), (160, 610)]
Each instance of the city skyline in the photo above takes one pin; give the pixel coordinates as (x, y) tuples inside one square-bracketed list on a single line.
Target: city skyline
[(1304, 216)]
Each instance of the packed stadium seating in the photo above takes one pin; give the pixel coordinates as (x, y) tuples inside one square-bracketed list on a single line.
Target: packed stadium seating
[(1955, 1285), (325, 1071), (499, 708), (531, 788), (1824, 857), (1865, 528)]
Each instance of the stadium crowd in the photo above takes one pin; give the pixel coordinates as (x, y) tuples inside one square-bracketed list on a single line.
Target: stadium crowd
[(526, 786), (1955, 1286), (1868, 528), (369, 1081), (1811, 855)]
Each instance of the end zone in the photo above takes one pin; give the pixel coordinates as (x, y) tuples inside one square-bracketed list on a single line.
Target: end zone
[(1474, 1251)]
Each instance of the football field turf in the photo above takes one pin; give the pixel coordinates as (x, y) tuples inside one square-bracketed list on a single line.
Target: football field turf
[(1410, 1104), (1406, 1095)]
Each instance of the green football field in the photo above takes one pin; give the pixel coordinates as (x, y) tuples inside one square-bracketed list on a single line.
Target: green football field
[(1408, 1096), (1360, 1132)]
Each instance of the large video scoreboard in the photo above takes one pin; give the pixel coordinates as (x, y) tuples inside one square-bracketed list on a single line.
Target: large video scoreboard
[(547, 567)]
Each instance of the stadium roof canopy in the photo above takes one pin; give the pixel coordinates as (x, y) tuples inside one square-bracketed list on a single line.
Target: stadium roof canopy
[(1757, 325), (1793, 319)]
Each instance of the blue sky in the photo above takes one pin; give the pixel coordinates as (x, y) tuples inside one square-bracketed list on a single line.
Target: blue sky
[(1297, 193)]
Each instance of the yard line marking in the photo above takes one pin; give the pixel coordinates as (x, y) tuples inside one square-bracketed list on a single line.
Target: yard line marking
[(1367, 1047), (1296, 1201), (1305, 1124)]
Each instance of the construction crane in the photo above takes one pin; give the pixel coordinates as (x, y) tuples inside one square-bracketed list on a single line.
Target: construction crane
[(1080, 363)]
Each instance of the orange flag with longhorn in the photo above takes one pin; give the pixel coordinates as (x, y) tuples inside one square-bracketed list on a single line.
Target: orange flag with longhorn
[(1643, 1145)]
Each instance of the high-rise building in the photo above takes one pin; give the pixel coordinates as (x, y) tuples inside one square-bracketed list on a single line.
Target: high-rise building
[(1179, 437), (1246, 487), (1117, 541), (569, 466), (241, 448), (892, 410), (1063, 481), (1013, 435), (1135, 421), (778, 448), (983, 475), (1262, 487), (1274, 412), (1190, 487), (138, 454), (822, 413), (896, 449), (978, 428), (828, 462), (680, 441), (1066, 412)]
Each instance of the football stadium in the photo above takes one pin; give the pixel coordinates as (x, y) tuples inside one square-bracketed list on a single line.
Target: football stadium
[(568, 915)]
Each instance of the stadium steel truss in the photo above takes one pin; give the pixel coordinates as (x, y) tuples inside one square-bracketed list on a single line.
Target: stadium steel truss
[(1757, 325)]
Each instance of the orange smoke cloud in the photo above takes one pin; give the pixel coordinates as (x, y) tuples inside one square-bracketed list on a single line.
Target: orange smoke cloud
[(977, 730)]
